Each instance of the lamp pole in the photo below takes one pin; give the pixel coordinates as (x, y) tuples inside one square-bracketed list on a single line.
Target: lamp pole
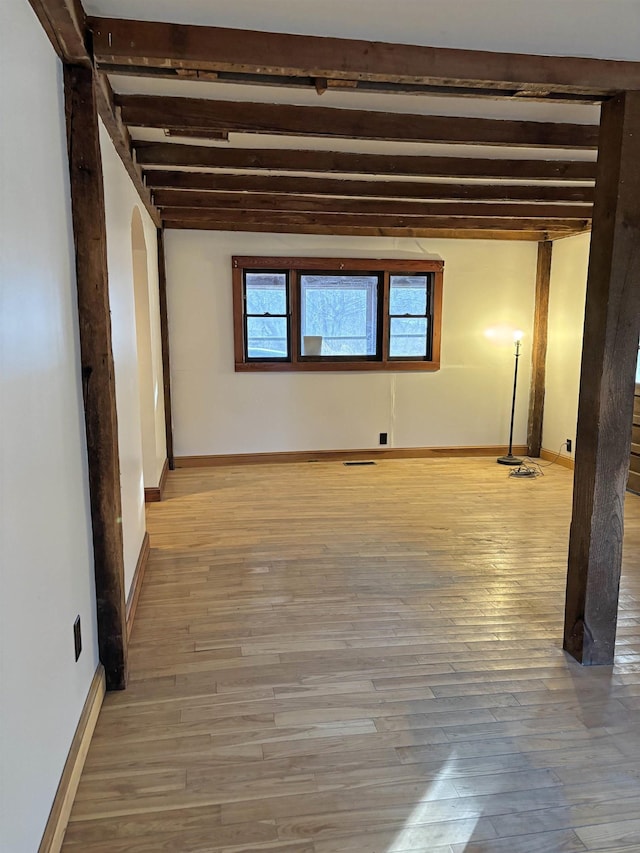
[(510, 459)]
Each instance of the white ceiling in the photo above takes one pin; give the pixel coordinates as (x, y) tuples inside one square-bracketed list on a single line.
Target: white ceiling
[(607, 29)]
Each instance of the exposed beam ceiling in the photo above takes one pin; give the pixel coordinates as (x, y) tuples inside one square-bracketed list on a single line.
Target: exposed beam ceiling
[(273, 203), (228, 215), (64, 21), (195, 114), (143, 47), (372, 231), (460, 229), (391, 168), (343, 162), (284, 185), (121, 139)]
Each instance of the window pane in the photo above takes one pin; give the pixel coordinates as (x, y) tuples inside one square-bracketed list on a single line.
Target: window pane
[(342, 310), (408, 294), (267, 337), (266, 292), (408, 338)]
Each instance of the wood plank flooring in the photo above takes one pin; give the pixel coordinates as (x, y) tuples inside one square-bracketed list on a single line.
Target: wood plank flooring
[(332, 659)]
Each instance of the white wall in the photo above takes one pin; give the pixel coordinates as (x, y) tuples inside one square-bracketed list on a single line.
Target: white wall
[(467, 402), (145, 373), (149, 350), (120, 200), (568, 286), (46, 560)]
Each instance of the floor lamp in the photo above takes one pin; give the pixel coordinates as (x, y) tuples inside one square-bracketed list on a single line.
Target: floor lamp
[(510, 459)]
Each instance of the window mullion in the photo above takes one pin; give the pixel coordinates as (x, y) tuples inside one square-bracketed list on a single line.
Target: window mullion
[(293, 302), (385, 322)]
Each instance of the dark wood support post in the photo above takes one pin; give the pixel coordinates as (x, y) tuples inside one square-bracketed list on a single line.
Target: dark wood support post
[(539, 349), (610, 349), (164, 337), (98, 378)]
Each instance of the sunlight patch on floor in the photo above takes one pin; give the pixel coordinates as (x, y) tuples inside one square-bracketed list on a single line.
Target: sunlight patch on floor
[(407, 840)]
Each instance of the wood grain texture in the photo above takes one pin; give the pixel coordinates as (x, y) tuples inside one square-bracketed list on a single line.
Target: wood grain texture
[(610, 350), (364, 659), (65, 23), (283, 185), (396, 265), (467, 233), (169, 154), (123, 144), (98, 376), (59, 816), (146, 45), (539, 349), (293, 120), (342, 455), (336, 223), (168, 199)]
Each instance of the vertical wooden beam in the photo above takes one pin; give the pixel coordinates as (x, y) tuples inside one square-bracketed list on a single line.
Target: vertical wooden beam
[(164, 337), (610, 348), (98, 378), (539, 349)]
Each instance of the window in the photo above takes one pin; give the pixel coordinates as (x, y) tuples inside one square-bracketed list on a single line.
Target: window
[(328, 314), (266, 315), (342, 310)]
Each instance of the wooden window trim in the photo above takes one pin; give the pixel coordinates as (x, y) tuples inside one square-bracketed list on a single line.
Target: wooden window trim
[(296, 362), (287, 316)]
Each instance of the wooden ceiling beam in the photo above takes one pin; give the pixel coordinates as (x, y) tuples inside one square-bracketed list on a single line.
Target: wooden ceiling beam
[(65, 23), (222, 216), (168, 154), (366, 231), (282, 184), (121, 139), (321, 85), (270, 203), (147, 46), (291, 120)]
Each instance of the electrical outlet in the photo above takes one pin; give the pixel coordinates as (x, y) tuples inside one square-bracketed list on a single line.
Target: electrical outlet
[(383, 438), (77, 637), (569, 445)]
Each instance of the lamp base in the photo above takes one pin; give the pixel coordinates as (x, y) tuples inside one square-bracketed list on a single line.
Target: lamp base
[(510, 459)]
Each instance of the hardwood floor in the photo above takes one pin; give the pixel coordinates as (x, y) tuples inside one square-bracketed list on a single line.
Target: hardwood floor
[(332, 659)]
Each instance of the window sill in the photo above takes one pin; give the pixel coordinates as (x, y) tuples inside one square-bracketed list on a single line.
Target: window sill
[(336, 366)]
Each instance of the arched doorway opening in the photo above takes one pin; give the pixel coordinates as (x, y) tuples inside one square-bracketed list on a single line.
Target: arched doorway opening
[(146, 380)]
